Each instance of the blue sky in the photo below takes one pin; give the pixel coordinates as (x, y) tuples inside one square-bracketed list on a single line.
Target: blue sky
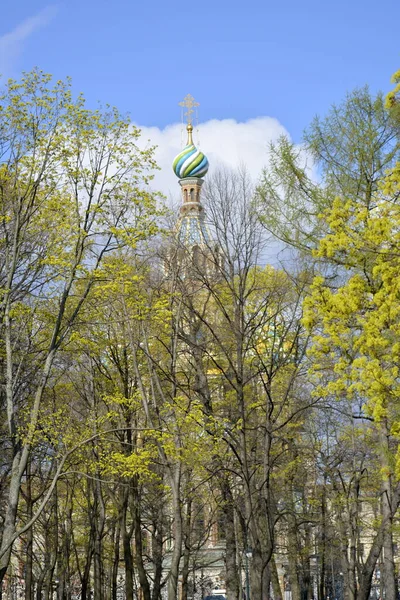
[(240, 59)]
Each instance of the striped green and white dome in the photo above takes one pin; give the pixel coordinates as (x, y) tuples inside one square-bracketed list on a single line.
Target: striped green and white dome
[(191, 162)]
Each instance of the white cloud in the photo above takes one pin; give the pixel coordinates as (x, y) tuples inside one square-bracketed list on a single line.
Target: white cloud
[(225, 142), (12, 43)]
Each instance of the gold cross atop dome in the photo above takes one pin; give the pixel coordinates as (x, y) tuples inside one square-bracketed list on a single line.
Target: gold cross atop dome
[(189, 103)]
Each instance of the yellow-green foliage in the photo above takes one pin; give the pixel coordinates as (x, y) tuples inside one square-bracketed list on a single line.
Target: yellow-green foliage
[(393, 96), (356, 326), (136, 463), (183, 436), (73, 193)]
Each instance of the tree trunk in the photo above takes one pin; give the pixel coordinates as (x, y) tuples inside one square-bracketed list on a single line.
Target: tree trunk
[(322, 545), (29, 536), (143, 581), (375, 550), (276, 588), (173, 575), (126, 544), (267, 583), (186, 551), (185, 573), (258, 568), (40, 582), (157, 548), (85, 580), (115, 566), (99, 522), (389, 578), (231, 568), (292, 559), (10, 518)]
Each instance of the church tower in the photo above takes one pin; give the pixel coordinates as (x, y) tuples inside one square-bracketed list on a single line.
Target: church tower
[(191, 165)]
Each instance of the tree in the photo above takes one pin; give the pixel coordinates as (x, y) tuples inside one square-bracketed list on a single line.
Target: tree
[(329, 199), (244, 349), (72, 189), (343, 155), (392, 98), (356, 336)]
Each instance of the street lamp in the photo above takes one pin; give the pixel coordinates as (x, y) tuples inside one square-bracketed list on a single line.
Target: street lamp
[(248, 554)]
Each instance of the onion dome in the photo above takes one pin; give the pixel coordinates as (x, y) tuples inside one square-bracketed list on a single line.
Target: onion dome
[(191, 162)]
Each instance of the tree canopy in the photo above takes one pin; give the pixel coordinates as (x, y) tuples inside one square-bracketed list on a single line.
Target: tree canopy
[(179, 419)]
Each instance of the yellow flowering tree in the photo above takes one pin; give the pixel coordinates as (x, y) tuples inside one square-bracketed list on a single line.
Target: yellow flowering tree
[(355, 320), (392, 99)]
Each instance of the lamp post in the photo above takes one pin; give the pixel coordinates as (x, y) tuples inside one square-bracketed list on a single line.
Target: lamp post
[(248, 554)]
